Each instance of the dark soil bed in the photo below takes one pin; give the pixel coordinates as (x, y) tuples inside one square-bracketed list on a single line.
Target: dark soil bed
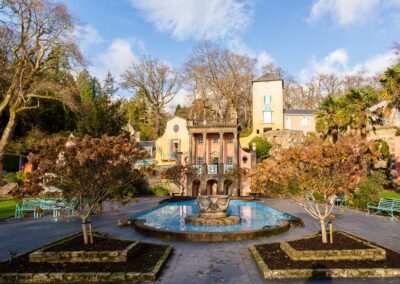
[(340, 242), (275, 258), (99, 244), (142, 259)]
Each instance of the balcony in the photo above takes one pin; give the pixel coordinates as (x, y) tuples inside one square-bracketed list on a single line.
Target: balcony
[(212, 169), (228, 169), (198, 169)]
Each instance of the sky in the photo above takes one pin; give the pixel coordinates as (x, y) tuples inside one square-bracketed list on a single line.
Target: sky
[(304, 37)]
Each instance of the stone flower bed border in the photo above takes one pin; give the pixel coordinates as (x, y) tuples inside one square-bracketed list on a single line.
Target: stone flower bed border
[(321, 273), (374, 253), (68, 277), (49, 256)]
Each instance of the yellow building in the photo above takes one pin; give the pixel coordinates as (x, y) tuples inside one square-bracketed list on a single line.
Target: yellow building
[(175, 139), (267, 106)]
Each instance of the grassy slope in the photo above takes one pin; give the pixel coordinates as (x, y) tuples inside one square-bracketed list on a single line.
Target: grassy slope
[(390, 194), (7, 208)]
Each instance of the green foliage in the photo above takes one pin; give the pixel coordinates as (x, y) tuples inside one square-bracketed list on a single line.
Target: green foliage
[(397, 132), (383, 148), (390, 82), (336, 115), (262, 147), (101, 113), (369, 189), (17, 178), (246, 132), (159, 191)]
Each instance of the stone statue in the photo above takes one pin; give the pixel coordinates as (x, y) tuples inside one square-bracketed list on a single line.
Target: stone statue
[(253, 146), (214, 188)]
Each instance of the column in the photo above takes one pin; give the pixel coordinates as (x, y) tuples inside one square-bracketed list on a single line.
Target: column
[(236, 162), (236, 147), (221, 163), (204, 153), (191, 160)]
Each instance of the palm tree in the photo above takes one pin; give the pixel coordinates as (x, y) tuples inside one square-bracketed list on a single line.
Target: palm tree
[(390, 82), (356, 110), (329, 120)]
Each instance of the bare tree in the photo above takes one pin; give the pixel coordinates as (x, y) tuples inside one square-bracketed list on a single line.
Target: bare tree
[(157, 81), (222, 77), (34, 40)]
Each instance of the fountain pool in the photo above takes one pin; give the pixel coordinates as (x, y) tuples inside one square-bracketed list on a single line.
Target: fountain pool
[(254, 216)]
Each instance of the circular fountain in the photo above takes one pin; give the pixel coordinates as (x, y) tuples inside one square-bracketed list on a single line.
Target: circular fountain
[(213, 218), (213, 211)]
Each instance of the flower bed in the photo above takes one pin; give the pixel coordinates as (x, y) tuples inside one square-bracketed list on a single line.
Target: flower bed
[(274, 263), (144, 263), (345, 247), (73, 250)]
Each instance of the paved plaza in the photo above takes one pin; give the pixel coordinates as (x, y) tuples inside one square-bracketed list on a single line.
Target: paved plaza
[(200, 262)]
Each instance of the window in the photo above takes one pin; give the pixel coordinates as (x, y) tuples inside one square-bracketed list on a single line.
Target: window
[(149, 149), (200, 160), (305, 121), (200, 139), (258, 131), (229, 160), (215, 140), (288, 123), (267, 100), (267, 117), (230, 140)]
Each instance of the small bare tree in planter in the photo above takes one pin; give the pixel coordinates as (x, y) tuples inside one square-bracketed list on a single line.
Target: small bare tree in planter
[(314, 173), (87, 170), (181, 176)]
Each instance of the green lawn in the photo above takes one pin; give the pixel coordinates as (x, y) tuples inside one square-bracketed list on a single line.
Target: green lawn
[(7, 208), (390, 194)]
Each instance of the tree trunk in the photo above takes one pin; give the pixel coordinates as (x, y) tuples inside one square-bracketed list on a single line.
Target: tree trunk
[(84, 231), (90, 232), (323, 231), (8, 133)]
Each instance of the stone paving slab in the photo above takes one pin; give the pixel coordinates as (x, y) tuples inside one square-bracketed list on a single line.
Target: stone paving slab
[(201, 262)]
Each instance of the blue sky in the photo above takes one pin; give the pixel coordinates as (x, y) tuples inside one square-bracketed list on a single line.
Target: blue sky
[(304, 37)]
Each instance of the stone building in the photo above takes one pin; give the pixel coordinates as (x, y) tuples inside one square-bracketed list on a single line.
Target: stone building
[(269, 113), (215, 151), (212, 144)]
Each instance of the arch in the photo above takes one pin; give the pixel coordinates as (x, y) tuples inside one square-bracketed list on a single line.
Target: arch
[(209, 185), (228, 187), (195, 188)]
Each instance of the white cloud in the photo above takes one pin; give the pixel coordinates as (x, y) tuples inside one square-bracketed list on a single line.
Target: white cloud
[(344, 12), (375, 64), (337, 62), (199, 19), (86, 36), (116, 58)]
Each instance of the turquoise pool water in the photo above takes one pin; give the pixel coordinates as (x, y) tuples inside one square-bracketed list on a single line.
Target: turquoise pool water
[(171, 217)]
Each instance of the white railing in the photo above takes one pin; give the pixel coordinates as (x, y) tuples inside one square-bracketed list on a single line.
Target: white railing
[(198, 168), (212, 169), (228, 168)]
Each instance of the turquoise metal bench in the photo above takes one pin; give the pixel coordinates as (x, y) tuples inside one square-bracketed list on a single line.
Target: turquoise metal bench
[(54, 205), (390, 206), (27, 205), (341, 200)]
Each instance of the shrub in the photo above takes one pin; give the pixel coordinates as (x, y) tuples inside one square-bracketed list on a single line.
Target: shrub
[(369, 189), (246, 132), (383, 148), (159, 191), (262, 147)]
